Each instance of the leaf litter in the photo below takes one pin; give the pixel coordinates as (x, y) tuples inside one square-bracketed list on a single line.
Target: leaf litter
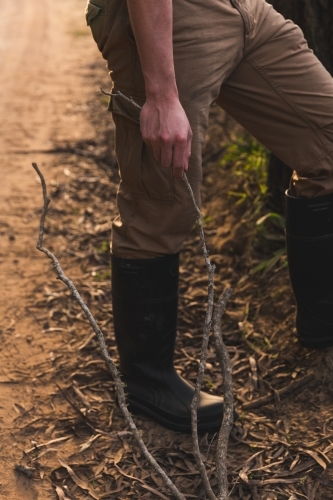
[(282, 443)]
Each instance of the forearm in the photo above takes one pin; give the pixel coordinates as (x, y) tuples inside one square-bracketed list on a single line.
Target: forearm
[(152, 27), (164, 124)]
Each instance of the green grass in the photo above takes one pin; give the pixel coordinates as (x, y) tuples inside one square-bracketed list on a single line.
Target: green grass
[(248, 161), (103, 248), (102, 276)]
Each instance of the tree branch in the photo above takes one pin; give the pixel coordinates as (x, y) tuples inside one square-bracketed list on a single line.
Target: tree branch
[(204, 348), (109, 362), (224, 360), (123, 96), (228, 414), (295, 384)]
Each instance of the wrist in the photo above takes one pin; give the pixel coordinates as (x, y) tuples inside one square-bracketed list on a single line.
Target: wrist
[(161, 88), (162, 93)]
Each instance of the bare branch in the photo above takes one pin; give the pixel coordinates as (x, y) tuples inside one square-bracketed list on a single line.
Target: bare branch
[(105, 93), (120, 94), (198, 385), (129, 99), (295, 384), (199, 219), (228, 414), (204, 348), (109, 362), (223, 356)]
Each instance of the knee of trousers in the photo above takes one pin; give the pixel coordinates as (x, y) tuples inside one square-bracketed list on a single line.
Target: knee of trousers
[(148, 228)]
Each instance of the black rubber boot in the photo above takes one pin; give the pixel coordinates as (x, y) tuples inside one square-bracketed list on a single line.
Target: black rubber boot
[(145, 298), (309, 238)]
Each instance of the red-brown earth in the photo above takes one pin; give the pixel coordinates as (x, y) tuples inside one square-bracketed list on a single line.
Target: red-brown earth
[(57, 399)]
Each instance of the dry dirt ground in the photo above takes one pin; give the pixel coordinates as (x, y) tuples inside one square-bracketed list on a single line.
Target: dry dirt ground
[(62, 434)]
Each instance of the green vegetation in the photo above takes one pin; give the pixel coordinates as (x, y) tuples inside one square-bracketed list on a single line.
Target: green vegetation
[(102, 276), (103, 248), (248, 160), (105, 100)]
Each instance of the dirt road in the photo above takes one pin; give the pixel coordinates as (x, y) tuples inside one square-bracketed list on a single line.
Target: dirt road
[(46, 52)]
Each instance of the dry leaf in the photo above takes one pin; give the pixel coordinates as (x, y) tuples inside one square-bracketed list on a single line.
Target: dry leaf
[(27, 471), (152, 490), (20, 410), (118, 456), (312, 496), (80, 482), (88, 443), (61, 494), (100, 467), (244, 477), (143, 484), (294, 462), (83, 398), (316, 457), (58, 440)]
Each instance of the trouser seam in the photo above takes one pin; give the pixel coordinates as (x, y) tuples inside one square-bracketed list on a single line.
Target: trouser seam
[(318, 160), (275, 86)]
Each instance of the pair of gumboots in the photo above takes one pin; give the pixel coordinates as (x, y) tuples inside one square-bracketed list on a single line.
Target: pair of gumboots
[(145, 303)]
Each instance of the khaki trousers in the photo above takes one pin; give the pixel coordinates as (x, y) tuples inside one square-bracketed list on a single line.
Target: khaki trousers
[(248, 59)]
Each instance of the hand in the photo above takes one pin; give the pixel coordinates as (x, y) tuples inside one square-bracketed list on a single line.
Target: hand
[(166, 129)]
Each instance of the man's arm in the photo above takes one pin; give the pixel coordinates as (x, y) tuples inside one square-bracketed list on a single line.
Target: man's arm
[(164, 124)]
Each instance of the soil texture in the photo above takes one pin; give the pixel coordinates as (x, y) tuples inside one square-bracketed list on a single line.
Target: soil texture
[(62, 435)]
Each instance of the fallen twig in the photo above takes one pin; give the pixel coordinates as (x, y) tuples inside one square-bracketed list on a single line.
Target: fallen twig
[(42, 445), (256, 403)]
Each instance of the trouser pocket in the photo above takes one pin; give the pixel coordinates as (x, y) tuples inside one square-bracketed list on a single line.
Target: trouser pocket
[(95, 18), (142, 174), (244, 8)]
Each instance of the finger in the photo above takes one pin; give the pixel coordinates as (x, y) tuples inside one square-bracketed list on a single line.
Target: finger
[(157, 151), (166, 155), (189, 152), (186, 161), (180, 157), (148, 136), (178, 173)]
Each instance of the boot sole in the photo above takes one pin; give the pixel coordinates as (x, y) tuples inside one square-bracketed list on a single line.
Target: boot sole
[(138, 409)]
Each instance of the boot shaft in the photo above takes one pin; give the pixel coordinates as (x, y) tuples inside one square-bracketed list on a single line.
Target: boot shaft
[(309, 217), (145, 300), (309, 241)]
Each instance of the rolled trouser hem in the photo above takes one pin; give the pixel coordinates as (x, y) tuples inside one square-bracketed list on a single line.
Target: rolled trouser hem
[(149, 228), (311, 187)]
